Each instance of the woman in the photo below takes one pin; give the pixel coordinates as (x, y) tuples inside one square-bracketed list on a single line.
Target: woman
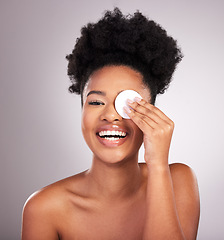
[(118, 198)]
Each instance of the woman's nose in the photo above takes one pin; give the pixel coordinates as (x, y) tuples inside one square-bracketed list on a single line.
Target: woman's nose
[(110, 114)]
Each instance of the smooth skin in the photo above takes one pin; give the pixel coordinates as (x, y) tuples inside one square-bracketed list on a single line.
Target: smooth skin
[(119, 198)]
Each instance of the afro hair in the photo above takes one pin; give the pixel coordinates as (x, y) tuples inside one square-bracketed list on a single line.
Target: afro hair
[(131, 40)]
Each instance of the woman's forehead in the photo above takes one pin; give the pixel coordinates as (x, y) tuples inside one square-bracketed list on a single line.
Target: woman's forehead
[(114, 79)]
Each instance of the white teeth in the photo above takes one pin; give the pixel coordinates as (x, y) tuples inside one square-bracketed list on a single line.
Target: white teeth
[(112, 133), (111, 138)]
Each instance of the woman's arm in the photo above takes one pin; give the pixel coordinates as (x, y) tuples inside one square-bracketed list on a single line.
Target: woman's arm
[(173, 203), (172, 193), (37, 222)]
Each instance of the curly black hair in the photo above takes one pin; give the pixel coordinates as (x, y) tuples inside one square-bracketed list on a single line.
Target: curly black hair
[(131, 40)]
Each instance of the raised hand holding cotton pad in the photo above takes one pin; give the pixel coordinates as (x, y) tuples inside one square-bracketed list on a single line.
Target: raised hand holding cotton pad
[(121, 101)]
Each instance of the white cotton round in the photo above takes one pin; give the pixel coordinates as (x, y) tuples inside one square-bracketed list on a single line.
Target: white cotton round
[(121, 101)]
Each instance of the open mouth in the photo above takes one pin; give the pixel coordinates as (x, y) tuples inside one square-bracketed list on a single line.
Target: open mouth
[(112, 135)]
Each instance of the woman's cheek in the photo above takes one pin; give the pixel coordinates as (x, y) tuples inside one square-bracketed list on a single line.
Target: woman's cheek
[(88, 123), (85, 122)]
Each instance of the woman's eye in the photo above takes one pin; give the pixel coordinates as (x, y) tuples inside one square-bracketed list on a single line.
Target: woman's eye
[(95, 103)]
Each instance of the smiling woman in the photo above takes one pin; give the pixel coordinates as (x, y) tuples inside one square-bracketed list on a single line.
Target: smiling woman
[(118, 198), (111, 80)]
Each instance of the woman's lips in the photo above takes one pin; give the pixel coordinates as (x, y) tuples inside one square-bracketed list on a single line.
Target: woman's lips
[(112, 141)]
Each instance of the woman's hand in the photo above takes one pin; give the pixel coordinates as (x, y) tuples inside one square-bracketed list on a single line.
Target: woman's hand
[(156, 127)]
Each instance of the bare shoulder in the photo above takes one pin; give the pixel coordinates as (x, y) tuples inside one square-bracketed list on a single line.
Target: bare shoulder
[(40, 215), (53, 195), (182, 174), (184, 183), (186, 196), (45, 209), (44, 200)]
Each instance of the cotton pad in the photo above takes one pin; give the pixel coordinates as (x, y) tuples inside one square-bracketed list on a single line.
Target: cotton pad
[(121, 101)]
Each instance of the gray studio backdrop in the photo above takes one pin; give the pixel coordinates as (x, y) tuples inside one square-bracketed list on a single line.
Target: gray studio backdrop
[(41, 140)]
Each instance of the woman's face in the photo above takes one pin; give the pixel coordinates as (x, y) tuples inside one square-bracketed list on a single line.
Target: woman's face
[(100, 121)]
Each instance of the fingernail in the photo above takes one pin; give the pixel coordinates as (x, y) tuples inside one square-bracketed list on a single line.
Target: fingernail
[(127, 109), (129, 101), (137, 99)]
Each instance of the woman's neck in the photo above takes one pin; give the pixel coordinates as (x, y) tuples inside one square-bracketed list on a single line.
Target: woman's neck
[(114, 180)]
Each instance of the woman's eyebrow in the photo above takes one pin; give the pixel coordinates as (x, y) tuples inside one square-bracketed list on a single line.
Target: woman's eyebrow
[(96, 92)]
